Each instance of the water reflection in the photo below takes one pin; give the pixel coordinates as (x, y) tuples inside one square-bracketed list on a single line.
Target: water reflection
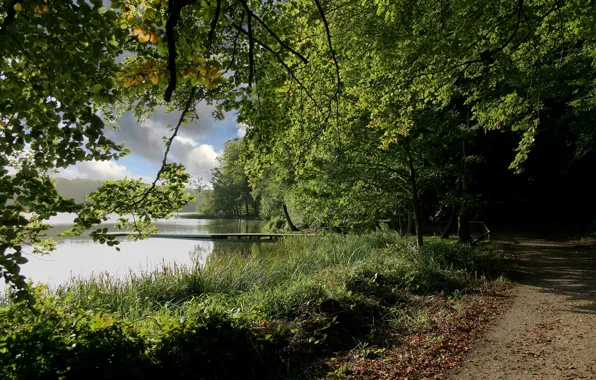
[(245, 248), (81, 257)]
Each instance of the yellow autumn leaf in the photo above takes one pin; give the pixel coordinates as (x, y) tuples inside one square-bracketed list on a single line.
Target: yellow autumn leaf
[(143, 37), (17, 7), (154, 78), (136, 31), (2, 124), (128, 82), (41, 9), (153, 38)]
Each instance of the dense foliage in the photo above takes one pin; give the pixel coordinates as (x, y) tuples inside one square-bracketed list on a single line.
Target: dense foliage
[(425, 94)]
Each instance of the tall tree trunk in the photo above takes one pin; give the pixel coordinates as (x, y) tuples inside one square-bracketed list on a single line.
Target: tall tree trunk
[(463, 225), (411, 228), (288, 220), (418, 222), (416, 203), (452, 220), (255, 207), (402, 233)]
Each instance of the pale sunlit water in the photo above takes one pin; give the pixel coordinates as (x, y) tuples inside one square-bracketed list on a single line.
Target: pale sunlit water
[(81, 257)]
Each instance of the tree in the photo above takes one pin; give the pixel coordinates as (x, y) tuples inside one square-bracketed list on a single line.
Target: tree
[(231, 193), (49, 102), (500, 66)]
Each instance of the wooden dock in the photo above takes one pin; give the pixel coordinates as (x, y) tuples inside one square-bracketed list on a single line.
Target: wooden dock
[(235, 236)]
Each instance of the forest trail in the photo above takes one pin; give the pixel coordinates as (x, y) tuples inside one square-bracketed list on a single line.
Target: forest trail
[(549, 330)]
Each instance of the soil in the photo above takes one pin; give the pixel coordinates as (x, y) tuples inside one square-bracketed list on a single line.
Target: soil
[(549, 330)]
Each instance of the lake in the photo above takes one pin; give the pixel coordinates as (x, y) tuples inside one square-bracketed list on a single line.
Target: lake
[(81, 257)]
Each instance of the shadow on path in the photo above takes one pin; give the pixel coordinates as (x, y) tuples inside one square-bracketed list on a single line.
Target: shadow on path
[(552, 267)]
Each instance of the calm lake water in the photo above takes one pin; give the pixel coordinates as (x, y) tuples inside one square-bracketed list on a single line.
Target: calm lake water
[(81, 257)]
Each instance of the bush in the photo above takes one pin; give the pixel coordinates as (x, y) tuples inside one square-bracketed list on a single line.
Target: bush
[(58, 342), (275, 224)]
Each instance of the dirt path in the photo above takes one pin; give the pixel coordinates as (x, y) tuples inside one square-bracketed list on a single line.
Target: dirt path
[(549, 332)]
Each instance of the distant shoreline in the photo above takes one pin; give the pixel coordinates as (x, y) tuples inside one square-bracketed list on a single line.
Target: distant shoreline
[(185, 215)]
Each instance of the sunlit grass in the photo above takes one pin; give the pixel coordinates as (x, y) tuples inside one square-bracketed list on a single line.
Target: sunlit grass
[(278, 277)]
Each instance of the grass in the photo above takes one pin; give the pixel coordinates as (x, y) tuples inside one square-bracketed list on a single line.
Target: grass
[(281, 275), (295, 299)]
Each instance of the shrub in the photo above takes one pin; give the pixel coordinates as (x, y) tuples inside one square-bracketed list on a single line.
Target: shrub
[(59, 342), (275, 224)]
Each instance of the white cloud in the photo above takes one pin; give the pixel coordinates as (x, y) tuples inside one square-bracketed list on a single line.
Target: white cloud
[(102, 170), (241, 130), (201, 160), (146, 142), (146, 139), (185, 140)]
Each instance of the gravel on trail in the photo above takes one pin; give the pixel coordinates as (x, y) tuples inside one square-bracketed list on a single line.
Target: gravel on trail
[(549, 330)]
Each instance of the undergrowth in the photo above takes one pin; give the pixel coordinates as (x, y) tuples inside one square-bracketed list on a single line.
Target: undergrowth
[(259, 315)]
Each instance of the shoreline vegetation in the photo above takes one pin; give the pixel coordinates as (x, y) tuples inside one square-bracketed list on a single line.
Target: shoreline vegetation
[(194, 215), (298, 308)]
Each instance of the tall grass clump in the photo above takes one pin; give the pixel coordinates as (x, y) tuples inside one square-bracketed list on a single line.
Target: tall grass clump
[(292, 299), (287, 260)]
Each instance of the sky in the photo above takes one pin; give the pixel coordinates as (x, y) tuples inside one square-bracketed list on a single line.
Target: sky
[(197, 146)]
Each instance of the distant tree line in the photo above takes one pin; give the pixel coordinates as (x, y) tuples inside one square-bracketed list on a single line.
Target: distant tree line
[(229, 193)]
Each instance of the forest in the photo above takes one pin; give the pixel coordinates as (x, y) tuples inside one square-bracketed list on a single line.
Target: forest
[(380, 119)]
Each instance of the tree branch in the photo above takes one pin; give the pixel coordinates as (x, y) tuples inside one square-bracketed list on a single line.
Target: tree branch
[(251, 44), (284, 64), (234, 47), (328, 32), (174, 9), (272, 33), (213, 26), (185, 111)]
